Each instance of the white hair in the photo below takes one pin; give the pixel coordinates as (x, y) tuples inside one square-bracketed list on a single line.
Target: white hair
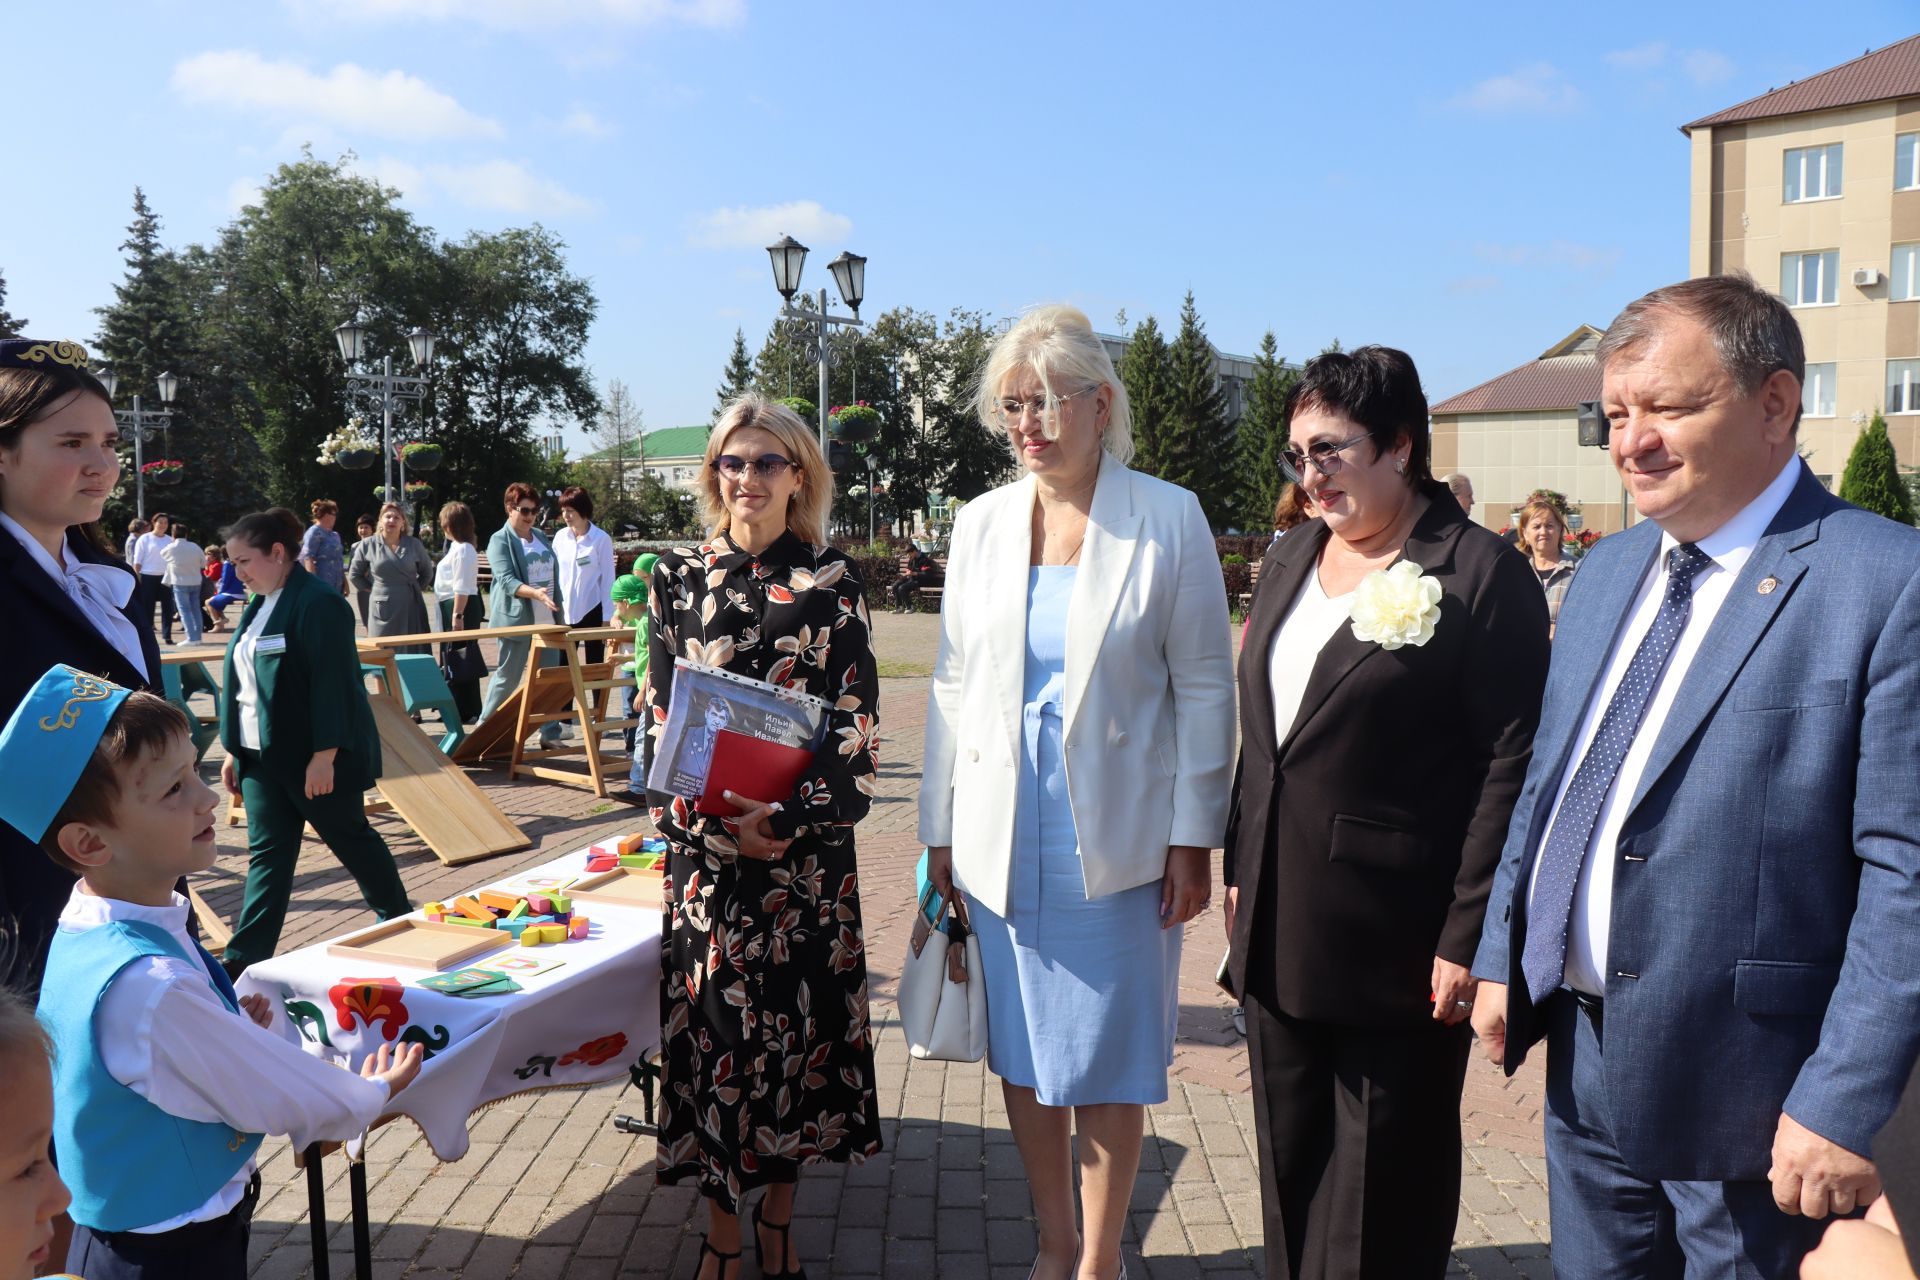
[(1056, 342)]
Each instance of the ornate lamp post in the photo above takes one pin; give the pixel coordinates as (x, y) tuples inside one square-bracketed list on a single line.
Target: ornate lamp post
[(873, 466), (385, 391), (849, 275), (141, 424)]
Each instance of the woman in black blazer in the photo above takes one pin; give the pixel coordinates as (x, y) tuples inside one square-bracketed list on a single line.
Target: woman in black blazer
[(67, 599), (1390, 683)]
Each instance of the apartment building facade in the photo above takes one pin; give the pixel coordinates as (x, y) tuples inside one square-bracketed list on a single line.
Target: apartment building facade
[(1814, 189)]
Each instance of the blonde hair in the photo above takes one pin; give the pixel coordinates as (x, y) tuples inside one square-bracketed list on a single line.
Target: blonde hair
[(1540, 507), (1055, 342), (808, 509)]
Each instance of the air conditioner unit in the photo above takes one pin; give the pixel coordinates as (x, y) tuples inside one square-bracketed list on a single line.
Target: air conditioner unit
[(1865, 277)]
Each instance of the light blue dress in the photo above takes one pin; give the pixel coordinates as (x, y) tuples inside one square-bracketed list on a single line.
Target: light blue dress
[(1082, 995)]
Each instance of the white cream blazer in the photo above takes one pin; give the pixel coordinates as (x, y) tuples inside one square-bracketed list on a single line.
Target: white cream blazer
[(1149, 717)]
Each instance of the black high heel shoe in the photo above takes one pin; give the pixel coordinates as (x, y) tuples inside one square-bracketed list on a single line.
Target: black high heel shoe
[(760, 1253), (706, 1247)]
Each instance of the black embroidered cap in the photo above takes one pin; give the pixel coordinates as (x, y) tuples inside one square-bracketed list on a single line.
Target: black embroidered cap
[(31, 353)]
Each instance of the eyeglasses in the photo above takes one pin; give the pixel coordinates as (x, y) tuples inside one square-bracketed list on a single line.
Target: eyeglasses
[(1042, 407), (766, 466), (527, 511), (1325, 457)]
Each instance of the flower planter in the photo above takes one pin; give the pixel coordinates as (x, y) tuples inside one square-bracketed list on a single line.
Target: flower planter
[(165, 479), (421, 457), (356, 459), (854, 424)]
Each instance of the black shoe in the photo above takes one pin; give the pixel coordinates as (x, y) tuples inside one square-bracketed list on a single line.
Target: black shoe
[(723, 1259), (781, 1229)]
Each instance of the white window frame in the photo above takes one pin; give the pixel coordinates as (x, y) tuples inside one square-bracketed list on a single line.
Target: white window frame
[(1828, 281), (1903, 278), (1910, 179), (1820, 378), (1813, 162), (1909, 384)]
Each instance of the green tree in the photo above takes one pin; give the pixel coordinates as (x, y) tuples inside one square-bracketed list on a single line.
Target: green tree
[(663, 511), (11, 326), (1872, 478), (1262, 435), (1198, 438), (1146, 373), (618, 432), (782, 367), (977, 459), (737, 379)]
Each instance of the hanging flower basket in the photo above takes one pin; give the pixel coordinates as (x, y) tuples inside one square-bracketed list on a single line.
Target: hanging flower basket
[(422, 455), (357, 459), (801, 406), (418, 491), (351, 447), (854, 422), (164, 472)]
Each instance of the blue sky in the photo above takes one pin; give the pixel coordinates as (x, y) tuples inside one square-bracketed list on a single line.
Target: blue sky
[(1467, 182)]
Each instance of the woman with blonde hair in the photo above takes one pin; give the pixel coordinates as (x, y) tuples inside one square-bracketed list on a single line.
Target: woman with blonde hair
[(1543, 536), (396, 569), (763, 974), (1078, 751)]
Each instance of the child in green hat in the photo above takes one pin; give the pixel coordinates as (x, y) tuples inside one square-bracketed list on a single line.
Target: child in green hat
[(630, 610)]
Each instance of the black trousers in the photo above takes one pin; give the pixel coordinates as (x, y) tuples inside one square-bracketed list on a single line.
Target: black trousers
[(154, 590), (1359, 1133), (214, 1250), (593, 650)]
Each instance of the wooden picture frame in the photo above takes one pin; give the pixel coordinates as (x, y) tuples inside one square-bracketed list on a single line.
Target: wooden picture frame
[(411, 942)]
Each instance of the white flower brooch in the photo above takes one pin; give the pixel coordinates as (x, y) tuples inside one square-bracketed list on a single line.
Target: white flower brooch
[(1397, 606)]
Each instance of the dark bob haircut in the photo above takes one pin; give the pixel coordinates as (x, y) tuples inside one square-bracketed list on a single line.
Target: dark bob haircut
[(577, 499), (262, 530), (1377, 387)]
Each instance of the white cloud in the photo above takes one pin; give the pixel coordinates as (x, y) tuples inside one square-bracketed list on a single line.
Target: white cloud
[(389, 105), (1644, 57), (387, 171), (586, 124), (745, 227), (242, 192), (1539, 87), (508, 186), (529, 14), (1556, 254), (1706, 66)]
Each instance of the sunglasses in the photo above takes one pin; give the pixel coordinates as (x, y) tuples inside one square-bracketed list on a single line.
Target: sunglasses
[(766, 466), (526, 511)]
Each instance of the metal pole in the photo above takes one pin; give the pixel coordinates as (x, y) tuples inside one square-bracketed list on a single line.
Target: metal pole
[(139, 460), (824, 329), (869, 507), (386, 428)]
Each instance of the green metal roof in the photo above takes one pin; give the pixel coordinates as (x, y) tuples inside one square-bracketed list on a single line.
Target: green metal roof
[(668, 442)]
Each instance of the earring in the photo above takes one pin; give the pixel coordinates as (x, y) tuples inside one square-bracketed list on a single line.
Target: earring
[(1400, 466)]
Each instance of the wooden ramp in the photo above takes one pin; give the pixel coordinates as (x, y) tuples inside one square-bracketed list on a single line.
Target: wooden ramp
[(434, 795), (492, 738)]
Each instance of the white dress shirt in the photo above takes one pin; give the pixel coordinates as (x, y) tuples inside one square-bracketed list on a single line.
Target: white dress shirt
[(164, 1032), (457, 574), (247, 697), (149, 553), (99, 591), (1729, 547), (1313, 619), (586, 573)]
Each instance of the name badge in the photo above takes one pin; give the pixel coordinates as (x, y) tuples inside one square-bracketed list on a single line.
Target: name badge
[(584, 558), (271, 644)]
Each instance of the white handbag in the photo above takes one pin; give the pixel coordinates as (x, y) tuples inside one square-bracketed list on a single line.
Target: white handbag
[(943, 993)]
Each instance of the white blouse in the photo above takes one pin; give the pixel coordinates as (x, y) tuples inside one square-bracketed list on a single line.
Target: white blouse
[(1313, 619), (458, 573), (586, 573), (247, 696)]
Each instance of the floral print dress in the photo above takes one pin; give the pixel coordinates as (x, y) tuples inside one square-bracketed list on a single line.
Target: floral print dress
[(765, 1037)]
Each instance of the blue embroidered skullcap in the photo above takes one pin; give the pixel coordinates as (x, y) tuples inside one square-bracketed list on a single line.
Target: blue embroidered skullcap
[(46, 745)]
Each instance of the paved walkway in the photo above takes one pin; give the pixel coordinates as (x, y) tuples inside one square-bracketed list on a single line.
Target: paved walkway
[(549, 1191)]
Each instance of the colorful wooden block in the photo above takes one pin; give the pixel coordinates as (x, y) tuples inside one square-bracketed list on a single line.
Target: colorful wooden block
[(435, 916), (438, 908), (520, 910), (539, 904), (530, 937), (498, 900), (577, 928), (470, 908), (631, 844), (560, 902), (602, 850), (470, 922)]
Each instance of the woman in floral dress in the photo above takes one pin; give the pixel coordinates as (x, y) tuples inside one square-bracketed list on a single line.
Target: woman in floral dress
[(767, 1048)]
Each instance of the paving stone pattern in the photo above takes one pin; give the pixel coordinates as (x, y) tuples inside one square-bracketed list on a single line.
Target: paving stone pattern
[(550, 1191)]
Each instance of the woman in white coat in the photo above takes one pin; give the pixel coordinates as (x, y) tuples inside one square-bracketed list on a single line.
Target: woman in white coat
[(1079, 750)]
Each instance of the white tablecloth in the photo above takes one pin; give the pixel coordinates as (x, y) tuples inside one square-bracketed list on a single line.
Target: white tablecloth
[(582, 1023)]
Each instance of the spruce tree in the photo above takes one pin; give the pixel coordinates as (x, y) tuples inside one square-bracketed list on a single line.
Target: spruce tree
[(11, 326), (1872, 478), (737, 380), (1145, 374), (1198, 440), (1262, 435)]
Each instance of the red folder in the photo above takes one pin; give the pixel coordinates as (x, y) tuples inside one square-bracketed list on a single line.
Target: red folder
[(751, 767)]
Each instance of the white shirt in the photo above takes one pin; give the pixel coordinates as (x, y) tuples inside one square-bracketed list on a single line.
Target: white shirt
[(458, 573), (164, 1032), (148, 551), (540, 561), (99, 591), (1311, 621), (1730, 547), (586, 573), (247, 696), (184, 561)]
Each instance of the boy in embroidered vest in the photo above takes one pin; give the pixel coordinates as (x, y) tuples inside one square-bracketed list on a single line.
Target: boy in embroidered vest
[(164, 1083), (33, 1195)]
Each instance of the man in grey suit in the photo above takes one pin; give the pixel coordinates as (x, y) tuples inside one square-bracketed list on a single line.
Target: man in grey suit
[(1709, 899)]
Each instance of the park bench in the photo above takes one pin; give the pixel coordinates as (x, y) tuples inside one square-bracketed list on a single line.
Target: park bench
[(925, 593)]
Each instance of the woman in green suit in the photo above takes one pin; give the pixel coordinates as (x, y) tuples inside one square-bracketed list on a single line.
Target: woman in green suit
[(301, 745)]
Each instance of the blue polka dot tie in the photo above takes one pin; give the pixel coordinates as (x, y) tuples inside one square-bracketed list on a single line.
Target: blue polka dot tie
[(1545, 959)]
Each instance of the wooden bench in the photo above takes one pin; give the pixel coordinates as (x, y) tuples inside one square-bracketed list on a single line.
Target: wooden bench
[(1253, 583), (923, 593)]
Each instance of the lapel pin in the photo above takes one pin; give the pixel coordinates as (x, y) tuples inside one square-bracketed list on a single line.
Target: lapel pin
[(1767, 585)]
